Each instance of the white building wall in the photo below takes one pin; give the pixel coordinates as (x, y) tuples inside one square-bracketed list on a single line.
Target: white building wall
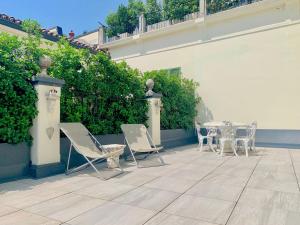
[(246, 60)]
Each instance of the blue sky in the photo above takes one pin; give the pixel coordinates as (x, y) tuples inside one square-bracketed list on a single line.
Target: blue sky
[(78, 15)]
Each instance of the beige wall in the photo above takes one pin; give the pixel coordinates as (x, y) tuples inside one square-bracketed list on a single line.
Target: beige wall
[(247, 62), (91, 38), (19, 33)]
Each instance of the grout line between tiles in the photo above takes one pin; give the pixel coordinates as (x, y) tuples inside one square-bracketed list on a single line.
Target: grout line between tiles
[(210, 172), (242, 191), (292, 160)]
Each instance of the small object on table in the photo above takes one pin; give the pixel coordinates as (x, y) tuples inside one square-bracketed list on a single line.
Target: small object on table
[(114, 151)]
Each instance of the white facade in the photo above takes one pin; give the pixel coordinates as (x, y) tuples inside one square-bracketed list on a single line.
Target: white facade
[(246, 60)]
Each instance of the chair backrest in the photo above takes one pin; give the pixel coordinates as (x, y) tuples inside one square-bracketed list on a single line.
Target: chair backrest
[(198, 130), (136, 136), (81, 139), (227, 130), (252, 130)]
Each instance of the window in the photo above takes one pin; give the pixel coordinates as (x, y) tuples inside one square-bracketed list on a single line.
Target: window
[(174, 71)]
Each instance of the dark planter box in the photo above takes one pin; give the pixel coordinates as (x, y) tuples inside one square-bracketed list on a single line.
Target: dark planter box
[(169, 139), (177, 137), (14, 161)]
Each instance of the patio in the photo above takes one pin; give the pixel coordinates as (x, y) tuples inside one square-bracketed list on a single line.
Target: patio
[(195, 188)]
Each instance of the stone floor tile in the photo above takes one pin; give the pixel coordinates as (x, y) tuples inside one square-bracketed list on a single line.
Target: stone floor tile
[(224, 179), (4, 210), (243, 214), (188, 174), (171, 184), (112, 213), (25, 198), (168, 219), (206, 209), (222, 192), (276, 181), (148, 198), (65, 207), (25, 218), (133, 179), (106, 190), (263, 198)]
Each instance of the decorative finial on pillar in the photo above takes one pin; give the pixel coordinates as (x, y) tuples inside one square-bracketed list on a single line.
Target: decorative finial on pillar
[(44, 62), (150, 85), (150, 93)]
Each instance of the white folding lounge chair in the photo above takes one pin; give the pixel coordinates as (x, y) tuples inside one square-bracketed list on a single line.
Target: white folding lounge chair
[(89, 147), (139, 141)]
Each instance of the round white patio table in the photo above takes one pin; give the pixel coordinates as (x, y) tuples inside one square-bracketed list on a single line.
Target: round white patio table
[(219, 124)]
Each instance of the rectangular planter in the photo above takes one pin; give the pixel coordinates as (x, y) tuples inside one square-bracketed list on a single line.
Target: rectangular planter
[(14, 161), (169, 138)]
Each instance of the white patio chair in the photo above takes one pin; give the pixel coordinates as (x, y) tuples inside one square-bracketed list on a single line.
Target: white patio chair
[(211, 133), (89, 147), (227, 136), (249, 140), (140, 141)]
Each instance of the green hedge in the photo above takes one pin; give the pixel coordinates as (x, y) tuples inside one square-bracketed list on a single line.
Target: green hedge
[(179, 99), (17, 96), (98, 92)]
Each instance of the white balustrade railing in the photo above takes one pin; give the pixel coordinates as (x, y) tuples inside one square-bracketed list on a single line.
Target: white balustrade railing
[(167, 23)]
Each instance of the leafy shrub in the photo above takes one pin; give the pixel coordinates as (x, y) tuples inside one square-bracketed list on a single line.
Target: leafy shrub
[(17, 96), (179, 99), (98, 92)]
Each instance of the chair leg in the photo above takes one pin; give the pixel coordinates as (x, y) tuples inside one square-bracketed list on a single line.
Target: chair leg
[(246, 147), (222, 148), (253, 145), (69, 157), (160, 158), (200, 145), (210, 144), (234, 148), (134, 159)]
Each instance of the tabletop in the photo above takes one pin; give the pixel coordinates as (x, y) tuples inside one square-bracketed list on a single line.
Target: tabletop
[(220, 124)]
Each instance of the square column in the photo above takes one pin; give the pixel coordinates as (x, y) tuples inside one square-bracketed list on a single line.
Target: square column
[(45, 149), (154, 119)]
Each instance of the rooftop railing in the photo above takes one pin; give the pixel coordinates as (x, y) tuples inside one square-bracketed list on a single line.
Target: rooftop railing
[(212, 7)]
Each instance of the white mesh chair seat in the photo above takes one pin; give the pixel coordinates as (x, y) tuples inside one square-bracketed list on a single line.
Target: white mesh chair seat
[(139, 140), (87, 145)]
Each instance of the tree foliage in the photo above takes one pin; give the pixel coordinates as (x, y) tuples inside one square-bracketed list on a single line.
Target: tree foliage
[(153, 12), (98, 92), (214, 6), (177, 9), (17, 96), (179, 99), (125, 19)]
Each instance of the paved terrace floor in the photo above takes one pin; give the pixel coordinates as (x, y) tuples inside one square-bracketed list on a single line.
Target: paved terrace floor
[(195, 188)]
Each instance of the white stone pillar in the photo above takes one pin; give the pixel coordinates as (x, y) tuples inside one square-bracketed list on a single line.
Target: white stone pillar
[(142, 24), (101, 35), (155, 104), (202, 7), (45, 149)]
